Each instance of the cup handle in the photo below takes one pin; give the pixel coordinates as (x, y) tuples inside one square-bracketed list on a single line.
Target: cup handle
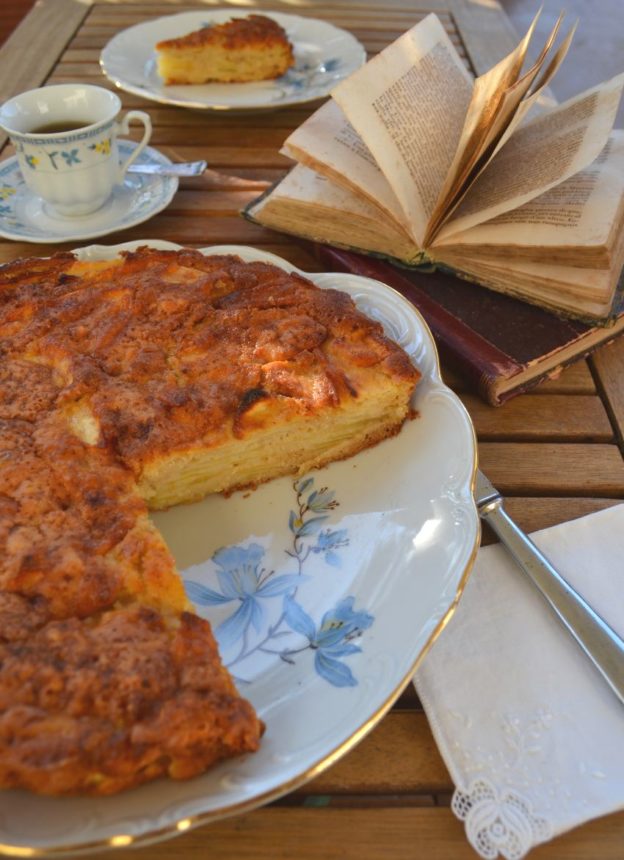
[(123, 127)]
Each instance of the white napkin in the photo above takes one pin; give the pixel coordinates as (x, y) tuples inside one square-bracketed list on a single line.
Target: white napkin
[(531, 734)]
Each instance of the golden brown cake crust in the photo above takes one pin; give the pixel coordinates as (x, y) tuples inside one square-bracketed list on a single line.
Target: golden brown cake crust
[(169, 347), (253, 30), (99, 705), (106, 369)]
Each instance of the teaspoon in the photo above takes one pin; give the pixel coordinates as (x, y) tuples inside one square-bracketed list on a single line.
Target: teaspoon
[(189, 168)]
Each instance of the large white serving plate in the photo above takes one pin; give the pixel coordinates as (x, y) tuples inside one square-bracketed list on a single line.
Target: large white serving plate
[(324, 55), (333, 586)]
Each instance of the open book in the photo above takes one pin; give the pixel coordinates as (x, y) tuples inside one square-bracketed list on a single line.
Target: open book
[(414, 160)]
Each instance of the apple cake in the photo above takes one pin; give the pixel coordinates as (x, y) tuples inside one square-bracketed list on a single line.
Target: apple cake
[(137, 383), (254, 48)]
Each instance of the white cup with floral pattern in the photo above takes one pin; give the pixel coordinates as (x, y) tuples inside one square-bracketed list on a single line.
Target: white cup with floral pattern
[(65, 137)]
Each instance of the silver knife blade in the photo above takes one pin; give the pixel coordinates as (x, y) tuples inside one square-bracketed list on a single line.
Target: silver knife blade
[(597, 639)]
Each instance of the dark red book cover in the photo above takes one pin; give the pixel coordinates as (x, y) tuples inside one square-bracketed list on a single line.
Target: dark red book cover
[(500, 345)]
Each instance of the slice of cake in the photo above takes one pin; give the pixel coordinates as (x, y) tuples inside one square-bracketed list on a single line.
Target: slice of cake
[(254, 48)]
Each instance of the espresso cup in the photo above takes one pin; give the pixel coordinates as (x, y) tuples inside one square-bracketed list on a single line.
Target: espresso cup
[(65, 137)]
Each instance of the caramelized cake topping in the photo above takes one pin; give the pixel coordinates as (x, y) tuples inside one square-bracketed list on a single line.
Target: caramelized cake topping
[(148, 380), (102, 704)]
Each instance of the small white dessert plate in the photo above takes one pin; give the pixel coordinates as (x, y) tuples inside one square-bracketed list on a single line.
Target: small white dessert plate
[(27, 218), (324, 55)]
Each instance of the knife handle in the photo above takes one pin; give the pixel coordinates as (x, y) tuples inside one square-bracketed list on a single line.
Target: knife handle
[(601, 644)]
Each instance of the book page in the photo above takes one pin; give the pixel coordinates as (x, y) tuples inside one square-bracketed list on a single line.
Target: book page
[(581, 212), (328, 144), (540, 155), (408, 104), (307, 204), (490, 101), (514, 105), (533, 97), (577, 290)]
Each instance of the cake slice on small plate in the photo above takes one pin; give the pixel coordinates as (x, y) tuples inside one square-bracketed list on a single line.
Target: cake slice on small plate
[(254, 48)]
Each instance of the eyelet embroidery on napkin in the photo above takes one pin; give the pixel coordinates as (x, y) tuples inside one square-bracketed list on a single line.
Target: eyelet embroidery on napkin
[(498, 822)]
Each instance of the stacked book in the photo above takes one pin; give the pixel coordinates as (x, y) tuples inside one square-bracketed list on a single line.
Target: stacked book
[(421, 176)]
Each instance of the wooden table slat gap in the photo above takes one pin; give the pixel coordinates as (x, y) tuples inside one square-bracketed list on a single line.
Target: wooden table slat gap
[(124, 12), (319, 834), (90, 54), (605, 367), (406, 800)]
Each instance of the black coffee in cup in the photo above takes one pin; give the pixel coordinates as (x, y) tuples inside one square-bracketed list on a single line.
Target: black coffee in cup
[(60, 127)]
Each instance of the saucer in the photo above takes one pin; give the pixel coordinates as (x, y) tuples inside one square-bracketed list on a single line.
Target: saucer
[(27, 218)]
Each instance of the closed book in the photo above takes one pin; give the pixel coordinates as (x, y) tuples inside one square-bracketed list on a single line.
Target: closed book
[(499, 345)]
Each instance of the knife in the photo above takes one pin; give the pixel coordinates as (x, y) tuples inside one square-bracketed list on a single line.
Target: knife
[(600, 642)]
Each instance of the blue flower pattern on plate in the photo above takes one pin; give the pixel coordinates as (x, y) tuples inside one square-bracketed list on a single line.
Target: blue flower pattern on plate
[(331, 640), (243, 579), (306, 75)]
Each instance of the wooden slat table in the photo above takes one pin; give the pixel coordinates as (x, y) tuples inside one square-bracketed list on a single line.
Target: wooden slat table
[(556, 453)]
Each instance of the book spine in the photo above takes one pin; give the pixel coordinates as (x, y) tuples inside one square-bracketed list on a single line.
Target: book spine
[(473, 357)]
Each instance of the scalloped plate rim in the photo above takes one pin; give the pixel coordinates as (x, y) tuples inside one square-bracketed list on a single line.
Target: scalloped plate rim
[(435, 387)]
